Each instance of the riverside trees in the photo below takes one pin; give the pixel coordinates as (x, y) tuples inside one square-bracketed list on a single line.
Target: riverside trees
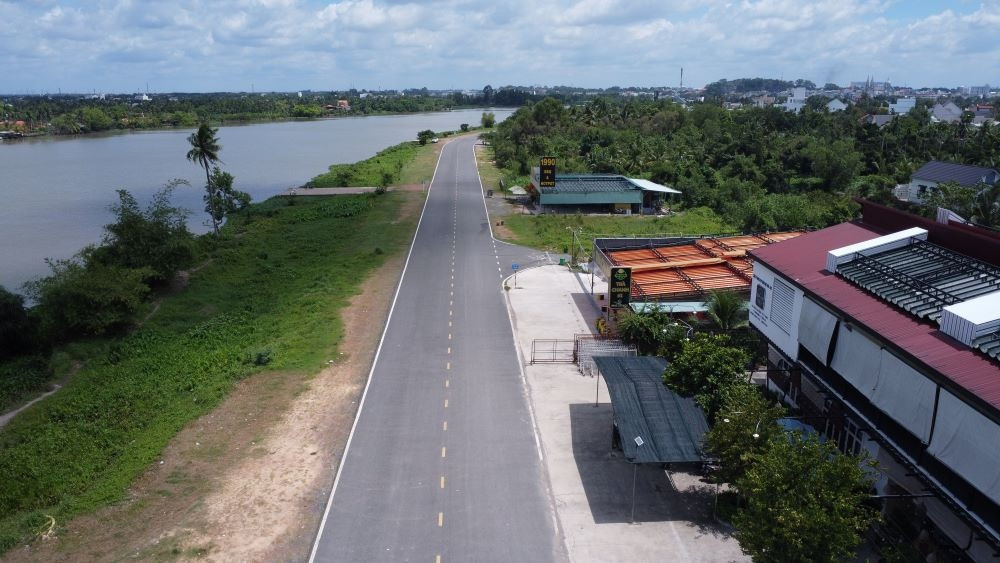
[(760, 168), (220, 196)]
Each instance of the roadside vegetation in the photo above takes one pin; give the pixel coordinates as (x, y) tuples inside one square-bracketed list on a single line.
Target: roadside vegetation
[(756, 168), (159, 324), (406, 163), (267, 299), (555, 232)]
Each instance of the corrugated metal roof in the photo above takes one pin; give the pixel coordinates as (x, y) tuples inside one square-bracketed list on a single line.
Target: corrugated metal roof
[(695, 268), (571, 183), (803, 260), (655, 424), (963, 174)]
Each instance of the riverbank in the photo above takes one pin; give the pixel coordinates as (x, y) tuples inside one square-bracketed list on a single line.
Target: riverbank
[(80, 175), (273, 292)]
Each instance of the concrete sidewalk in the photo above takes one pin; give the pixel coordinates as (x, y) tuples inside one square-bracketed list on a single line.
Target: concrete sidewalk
[(591, 484)]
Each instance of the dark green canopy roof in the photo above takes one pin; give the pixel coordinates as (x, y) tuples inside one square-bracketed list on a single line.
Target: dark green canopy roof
[(669, 428)]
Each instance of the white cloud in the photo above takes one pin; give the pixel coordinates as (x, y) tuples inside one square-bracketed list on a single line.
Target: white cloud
[(294, 44)]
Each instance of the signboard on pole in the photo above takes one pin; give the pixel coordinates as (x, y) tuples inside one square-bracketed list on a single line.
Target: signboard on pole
[(620, 286), (547, 172)]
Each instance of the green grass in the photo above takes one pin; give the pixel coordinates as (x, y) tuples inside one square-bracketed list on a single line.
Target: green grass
[(272, 290), (552, 232), (21, 378), (488, 171), (405, 163)]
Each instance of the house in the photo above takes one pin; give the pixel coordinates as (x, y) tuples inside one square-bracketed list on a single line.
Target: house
[(598, 193), (935, 172), (879, 121), (835, 105), (946, 113), (903, 106), (884, 334)]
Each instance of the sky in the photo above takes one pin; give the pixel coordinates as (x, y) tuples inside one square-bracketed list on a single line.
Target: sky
[(47, 46)]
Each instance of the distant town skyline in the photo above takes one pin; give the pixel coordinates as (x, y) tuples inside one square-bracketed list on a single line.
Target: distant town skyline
[(78, 46)]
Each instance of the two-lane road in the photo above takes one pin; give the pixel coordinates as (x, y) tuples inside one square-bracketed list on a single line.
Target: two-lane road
[(443, 463)]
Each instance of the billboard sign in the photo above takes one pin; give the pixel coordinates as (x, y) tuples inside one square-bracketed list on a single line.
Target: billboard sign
[(547, 172), (620, 286)]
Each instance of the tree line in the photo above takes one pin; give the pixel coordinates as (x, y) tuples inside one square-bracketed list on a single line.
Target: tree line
[(761, 168)]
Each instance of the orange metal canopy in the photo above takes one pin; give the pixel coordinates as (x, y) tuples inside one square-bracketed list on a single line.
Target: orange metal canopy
[(665, 273)]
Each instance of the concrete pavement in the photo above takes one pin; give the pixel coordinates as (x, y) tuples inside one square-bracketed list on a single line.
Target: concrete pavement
[(591, 484)]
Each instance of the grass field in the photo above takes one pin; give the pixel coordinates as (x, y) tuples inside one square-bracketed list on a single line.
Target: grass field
[(555, 232), (268, 299)]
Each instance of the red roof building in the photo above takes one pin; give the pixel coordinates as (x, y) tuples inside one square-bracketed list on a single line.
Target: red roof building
[(855, 319)]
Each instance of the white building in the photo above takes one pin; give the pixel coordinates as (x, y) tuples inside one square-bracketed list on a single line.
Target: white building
[(796, 101)]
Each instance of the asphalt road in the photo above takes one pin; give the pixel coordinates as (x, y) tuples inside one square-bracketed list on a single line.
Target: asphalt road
[(443, 464)]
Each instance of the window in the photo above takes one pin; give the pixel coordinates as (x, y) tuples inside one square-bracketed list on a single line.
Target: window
[(782, 303)]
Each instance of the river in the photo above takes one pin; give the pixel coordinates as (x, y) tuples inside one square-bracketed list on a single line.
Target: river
[(56, 190)]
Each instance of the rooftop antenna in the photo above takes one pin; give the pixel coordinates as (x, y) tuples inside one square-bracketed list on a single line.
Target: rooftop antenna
[(682, 77)]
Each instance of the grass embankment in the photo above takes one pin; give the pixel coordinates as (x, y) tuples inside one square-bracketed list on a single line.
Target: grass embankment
[(268, 299), (552, 232), (405, 163)]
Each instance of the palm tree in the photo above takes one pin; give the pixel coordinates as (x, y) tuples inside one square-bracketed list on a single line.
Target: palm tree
[(727, 310), (205, 151)]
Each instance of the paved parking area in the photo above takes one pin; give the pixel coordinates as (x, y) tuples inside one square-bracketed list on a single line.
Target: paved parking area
[(591, 484)]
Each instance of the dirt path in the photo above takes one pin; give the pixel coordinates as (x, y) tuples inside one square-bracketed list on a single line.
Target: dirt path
[(248, 481)]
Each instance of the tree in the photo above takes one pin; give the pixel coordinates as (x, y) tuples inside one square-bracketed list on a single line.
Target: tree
[(16, 327), (464, 127), (84, 297), (986, 206), (805, 502), (156, 238), (205, 151), (223, 199), (743, 431), (488, 119), (727, 310), (705, 368), (424, 136), (653, 333), (953, 196)]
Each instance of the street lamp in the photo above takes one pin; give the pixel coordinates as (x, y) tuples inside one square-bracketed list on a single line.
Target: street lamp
[(576, 232)]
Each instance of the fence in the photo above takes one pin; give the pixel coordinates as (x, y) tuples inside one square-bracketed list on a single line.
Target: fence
[(551, 351)]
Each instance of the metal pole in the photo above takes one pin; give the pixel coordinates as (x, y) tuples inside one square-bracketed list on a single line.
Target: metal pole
[(635, 469), (597, 388)]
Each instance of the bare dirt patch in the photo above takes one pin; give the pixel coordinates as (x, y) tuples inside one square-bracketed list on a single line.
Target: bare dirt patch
[(248, 481)]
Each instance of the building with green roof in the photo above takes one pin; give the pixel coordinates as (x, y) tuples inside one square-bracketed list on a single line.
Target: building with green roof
[(599, 193)]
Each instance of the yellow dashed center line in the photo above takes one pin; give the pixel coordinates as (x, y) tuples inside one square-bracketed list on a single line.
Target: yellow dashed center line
[(442, 481), (437, 559), (446, 403), (444, 451), (447, 365), (444, 426), (446, 383), (440, 519), (449, 349)]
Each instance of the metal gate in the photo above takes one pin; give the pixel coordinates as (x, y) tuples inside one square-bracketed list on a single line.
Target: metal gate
[(551, 351)]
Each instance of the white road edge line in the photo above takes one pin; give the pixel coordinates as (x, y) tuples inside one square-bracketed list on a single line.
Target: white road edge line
[(378, 351), (557, 525)]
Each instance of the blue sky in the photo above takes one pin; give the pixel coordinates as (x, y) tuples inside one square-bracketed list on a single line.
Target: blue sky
[(233, 45)]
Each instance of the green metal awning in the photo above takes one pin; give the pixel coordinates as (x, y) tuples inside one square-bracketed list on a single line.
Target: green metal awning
[(655, 424)]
